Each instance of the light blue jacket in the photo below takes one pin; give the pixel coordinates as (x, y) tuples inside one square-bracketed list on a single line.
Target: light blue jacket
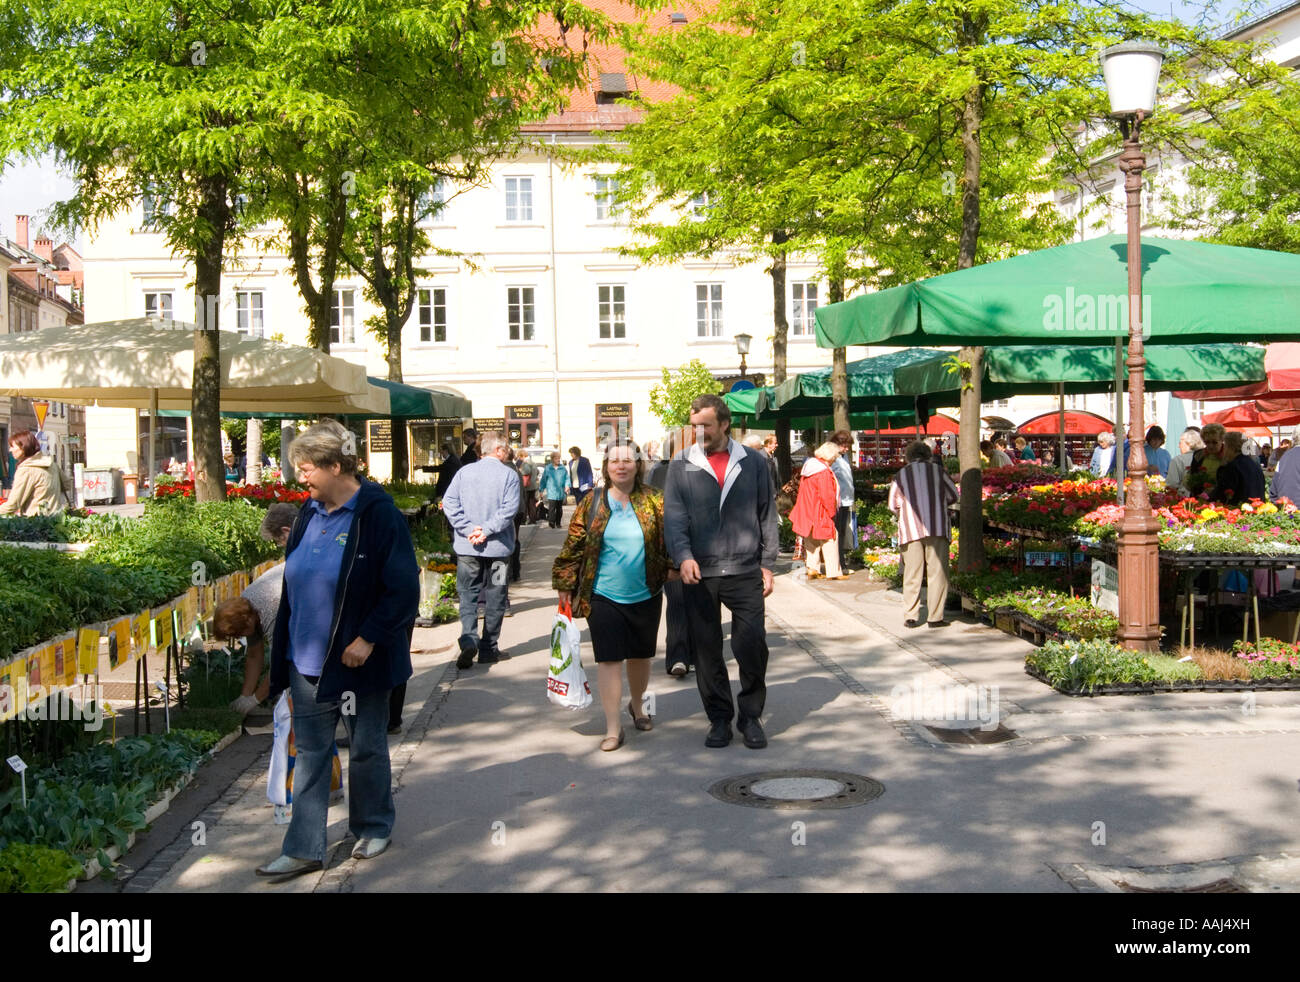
[(555, 482), (484, 493)]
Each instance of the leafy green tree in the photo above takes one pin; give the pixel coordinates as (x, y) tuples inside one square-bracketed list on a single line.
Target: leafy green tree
[(464, 121), (671, 399), (911, 137), (1246, 189)]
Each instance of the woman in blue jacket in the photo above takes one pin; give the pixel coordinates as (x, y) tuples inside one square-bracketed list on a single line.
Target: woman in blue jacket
[(554, 486), (342, 642)]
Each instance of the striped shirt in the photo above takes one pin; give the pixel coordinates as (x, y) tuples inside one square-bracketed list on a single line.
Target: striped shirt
[(920, 496)]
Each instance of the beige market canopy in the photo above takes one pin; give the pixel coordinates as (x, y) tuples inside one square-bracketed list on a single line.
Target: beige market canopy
[(146, 363)]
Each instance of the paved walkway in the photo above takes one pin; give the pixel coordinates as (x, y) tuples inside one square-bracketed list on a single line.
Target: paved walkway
[(499, 790)]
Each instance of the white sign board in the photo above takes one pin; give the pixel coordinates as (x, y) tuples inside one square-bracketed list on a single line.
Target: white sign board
[(17, 764), (1105, 587)]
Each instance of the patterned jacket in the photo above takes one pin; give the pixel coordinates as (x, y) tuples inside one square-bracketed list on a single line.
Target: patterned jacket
[(575, 567)]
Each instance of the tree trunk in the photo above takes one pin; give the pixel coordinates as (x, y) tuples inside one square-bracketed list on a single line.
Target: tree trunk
[(205, 409), (393, 339), (839, 370), (253, 452), (317, 300), (781, 329), (970, 544)]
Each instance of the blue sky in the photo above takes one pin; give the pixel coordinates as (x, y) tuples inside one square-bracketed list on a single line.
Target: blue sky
[(27, 188)]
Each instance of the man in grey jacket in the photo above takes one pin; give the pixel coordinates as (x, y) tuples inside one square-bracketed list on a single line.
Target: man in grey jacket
[(720, 526), (480, 506)]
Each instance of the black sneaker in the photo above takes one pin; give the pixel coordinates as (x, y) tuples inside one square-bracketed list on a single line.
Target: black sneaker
[(466, 658), (752, 731), (488, 657), (719, 734)]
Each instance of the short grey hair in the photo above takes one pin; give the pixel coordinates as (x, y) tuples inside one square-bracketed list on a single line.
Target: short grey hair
[(1213, 429), (325, 444), (488, 442), (918, 451), (1234, 440), (280, 515), (1192, 437), (753, 441)]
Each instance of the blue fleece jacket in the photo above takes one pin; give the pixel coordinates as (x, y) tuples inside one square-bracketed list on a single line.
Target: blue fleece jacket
[(377, 598), (484, 493)]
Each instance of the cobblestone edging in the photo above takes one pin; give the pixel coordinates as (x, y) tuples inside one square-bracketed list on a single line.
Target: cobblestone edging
[(146, 878), (335, 878), (338, 874)]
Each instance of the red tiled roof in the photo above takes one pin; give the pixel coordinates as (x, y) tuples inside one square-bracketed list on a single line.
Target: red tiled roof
[(584, 113)]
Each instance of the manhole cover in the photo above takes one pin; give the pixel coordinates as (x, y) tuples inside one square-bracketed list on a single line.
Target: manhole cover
[(1000, 734), (798, 789)]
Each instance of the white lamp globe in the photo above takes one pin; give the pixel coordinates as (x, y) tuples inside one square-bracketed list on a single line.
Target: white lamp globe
[(1132, 71)]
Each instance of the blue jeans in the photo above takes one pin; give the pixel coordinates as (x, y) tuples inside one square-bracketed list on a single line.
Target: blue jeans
[(489, 577), (370, 792)]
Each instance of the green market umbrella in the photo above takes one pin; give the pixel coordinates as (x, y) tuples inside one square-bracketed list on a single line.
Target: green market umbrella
[(870, 383), (1077, 294), (423, 402), (1058, 369), (752, 409), (384, 399), (1043, 369)]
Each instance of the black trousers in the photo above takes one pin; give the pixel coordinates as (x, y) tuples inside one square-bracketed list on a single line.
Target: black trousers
[(516, 569), (556, 506), (842, 530), (679, 648), (743, 596)]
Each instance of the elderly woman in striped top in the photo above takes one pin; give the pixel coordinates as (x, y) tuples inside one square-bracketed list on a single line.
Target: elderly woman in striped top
[(920, 496)]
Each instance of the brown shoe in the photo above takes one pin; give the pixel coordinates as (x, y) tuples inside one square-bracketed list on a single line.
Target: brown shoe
[(613, 743), (642, 723)]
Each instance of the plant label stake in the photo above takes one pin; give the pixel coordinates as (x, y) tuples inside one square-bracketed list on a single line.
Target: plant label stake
[(16, 764), (167, 704)]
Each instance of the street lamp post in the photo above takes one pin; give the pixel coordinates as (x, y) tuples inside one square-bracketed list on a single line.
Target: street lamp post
[(742, 346), (1132, 71)]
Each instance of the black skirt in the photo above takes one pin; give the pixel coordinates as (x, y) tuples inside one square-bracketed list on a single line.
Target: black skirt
[(620, 631)]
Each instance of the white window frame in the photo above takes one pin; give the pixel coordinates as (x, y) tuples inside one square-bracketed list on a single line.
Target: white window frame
[(163, 309), (522, 305), (426, 309), (802, 317), (614, 297), (255, 313), (343, 335), (519, 197), (708, 320), (434, 202), (606, 189), (152, 207), (701, 205)]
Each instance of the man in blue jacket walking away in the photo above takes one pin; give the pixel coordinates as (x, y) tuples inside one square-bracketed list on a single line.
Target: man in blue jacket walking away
[(480, 506)]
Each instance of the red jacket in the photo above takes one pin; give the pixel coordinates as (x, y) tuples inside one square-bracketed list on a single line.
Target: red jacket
[(813, 514)]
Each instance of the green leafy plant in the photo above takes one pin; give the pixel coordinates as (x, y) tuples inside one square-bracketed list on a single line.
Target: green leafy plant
[(27, 868)]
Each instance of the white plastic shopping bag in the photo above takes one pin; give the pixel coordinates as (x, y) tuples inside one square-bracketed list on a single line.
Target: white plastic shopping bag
[(566, 682), (277, 778)]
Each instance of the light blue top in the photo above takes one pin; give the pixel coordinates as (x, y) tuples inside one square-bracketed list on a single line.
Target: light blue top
[(620, 571), (844, 479), (311, 577)]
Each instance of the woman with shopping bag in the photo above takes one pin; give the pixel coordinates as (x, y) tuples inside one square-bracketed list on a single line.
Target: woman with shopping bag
[(611, 570)]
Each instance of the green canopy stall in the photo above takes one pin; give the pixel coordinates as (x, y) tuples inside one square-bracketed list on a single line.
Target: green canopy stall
[(1061, 369)]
